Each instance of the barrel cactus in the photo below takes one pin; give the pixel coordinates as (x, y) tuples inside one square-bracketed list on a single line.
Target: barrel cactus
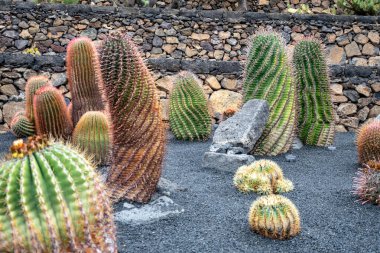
[(83, 75), (368, 139), (21, 126), (33, 84), (316, 120), (367, 183), (135, 117), (268, 76), (51, 114), (189, 116), (274, 216), (49, 201), (92, 135), (263, 177)]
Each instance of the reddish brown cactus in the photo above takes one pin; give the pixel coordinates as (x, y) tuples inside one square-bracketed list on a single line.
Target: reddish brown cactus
[(368, 139), (33, 84)]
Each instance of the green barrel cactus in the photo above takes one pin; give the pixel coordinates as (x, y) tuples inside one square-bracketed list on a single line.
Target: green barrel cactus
[(51, 200), (83, 75), (21, 126), (268, 76), (135, 116), (33, 84), (188, 111), (51, 113), (316, 117), (92, 135)]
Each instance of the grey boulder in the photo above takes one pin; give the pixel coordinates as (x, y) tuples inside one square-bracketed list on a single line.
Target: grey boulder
[(226, 162)]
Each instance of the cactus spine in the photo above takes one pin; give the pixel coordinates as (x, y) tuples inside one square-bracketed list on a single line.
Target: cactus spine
[(367, 183), (268, 76), (367, 141), (49, 201), (83, 76), (274, 216), (188, 115), (316, 121), (33, 84), (21, 125), (51, 114), (135, 115), (91, 135)]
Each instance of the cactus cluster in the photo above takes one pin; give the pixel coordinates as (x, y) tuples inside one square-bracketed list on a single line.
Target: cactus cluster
[(274, 216), (316, 119), (367, 183), (268, 76), (135, 116), (263, 176), (189, 116), (50, 201), (21, 126), (367, 141)]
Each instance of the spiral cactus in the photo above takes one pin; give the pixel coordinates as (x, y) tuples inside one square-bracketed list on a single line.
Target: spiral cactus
[(135, 117), (316, 121), (91, 135), (367, 184), (21, 125), (274, 216), (263, 176), (33, 84), (49, 201), (83, 75), (189, 116), (268, 76), (368, 139), (51, 114)]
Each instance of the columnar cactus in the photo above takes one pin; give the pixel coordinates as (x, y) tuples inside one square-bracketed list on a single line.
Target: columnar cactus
[(51, 200), (268, 76), (92, 135), (367, 140), (189, 116), (51, 114), (21, 126), (33, 84), (263, 177), (316, 120), (83, 75), (367, 184), (135, 117), (274, 216)]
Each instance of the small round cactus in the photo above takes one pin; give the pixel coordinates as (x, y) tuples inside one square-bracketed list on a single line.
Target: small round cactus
[(274, 216), (367, 183), (33, 84), (21, 126), (263, 177), (368, 139), (51, 200)]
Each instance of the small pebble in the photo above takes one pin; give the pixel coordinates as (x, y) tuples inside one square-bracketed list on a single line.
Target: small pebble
[(290, 158), (331, 148)]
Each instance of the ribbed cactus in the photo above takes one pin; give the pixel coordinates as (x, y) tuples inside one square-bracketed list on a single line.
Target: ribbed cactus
[(189, 116), (316, 120), (367, 184), (367, 141), (51, 200), (70, 110), (263, 177), (135, 115), (274, 216), (268, 76), (21, 126), (92, 135), (33, 84), (83, 75), (51, 114)]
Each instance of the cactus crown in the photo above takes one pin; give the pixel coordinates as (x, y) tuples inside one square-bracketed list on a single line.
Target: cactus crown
[(20, 149), (21, 126), (367, 141), (33, 84)]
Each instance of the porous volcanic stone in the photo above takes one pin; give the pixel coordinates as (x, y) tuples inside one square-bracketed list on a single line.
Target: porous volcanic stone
[(225, 162)]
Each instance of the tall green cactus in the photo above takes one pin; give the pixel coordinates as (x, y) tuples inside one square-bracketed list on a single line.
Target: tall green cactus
[(135, 115), (92, 135), (33, 84), (83, 74), (268, 76), (51, 114), (51, 200), (316, 121), (21, 126), (188, 115)]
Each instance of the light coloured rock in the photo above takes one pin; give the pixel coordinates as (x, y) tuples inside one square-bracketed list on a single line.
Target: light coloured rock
[(225, 162), (376, 87), (200, 36), (375, 110), (190, 52), (350, 122), (347, 108), (352, 49), (340, 129), (336, 55), (374, 61), (169, 48), (223, 100), (218, 54), (337, 89), (166, 83), (297, 143), (359, 61), (213, 83), (338, 99), (369, 49), (363, 89), (361, 39), (363, 114), (8, 90), (224, 35), (229, 84), (10, 109), (172, 40), (374, 37), (58, 79), (164, 109)]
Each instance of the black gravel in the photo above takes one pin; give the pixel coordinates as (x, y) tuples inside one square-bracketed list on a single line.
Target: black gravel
[(215, 217)]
